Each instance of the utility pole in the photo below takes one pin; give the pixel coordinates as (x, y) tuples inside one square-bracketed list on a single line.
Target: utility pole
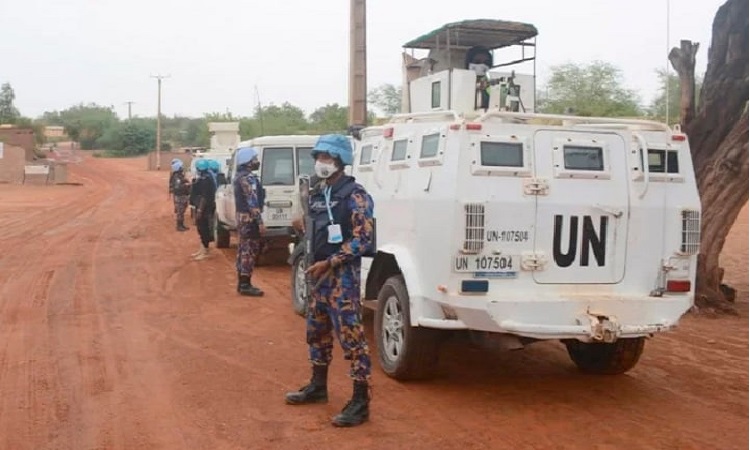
[(357, 64), (158, 120), (130, 115)]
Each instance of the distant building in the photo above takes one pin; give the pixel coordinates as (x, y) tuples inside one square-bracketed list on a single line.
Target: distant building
[(19, 137), (54, 131)]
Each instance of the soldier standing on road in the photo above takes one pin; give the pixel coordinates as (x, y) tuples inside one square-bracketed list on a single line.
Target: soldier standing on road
[(180, 189), (341, 217), (213, 170), (202, 197), (249, 197), (172, 175)]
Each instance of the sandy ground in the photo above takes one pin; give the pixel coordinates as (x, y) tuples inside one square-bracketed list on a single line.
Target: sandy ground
[(111, 337)]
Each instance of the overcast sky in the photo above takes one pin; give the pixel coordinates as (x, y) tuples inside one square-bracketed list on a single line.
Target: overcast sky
[(57, 53)]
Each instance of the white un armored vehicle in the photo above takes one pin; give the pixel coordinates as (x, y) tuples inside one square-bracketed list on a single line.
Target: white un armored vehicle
[(519, 227)]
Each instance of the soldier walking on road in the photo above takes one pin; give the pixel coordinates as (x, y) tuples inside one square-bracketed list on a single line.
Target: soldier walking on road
[(179, 187), (341, 218), (249, 197)]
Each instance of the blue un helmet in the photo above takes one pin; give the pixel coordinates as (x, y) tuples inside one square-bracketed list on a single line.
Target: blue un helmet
[(214, 165), (201, 165), (245, 155), (176, 165), (336, 145), (174, 160)]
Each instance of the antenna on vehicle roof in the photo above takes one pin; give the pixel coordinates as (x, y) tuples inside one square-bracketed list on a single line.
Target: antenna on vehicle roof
[(666, 80), (260, 110)]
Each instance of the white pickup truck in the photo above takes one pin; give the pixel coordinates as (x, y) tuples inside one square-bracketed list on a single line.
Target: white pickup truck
[(282, 160)]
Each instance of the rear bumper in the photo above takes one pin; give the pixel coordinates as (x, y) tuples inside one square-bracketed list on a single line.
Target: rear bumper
[(600, 319)]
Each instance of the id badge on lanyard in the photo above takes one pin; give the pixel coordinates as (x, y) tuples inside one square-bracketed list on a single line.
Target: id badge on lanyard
[(334, 229)]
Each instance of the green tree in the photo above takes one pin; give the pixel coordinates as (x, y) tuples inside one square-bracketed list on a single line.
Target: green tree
[(87, 123), (386, 98), (52, 118), (250, 127), (331, 118), (194, 133), (8, 111), (130, 137), (594, 89), (276, 120), (671, 81)]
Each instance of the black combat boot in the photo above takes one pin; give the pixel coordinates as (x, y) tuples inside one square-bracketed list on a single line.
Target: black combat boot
[(315, 392), (357, 410), (181, 226), (244, 287)]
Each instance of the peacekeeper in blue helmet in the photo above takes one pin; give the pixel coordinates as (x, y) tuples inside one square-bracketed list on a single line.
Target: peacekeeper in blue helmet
[(203, 198), (179, 187), (249, 197), (213, 171), (341, 214)]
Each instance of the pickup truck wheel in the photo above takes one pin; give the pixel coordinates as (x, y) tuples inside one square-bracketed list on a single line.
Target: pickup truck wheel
[(405, 352), (299, 289), (221, 234), (606, 358)]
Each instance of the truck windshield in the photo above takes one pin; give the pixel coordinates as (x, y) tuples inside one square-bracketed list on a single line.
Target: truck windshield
[(277, 167)]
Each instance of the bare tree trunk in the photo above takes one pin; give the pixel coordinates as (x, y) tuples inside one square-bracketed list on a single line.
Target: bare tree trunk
[(724, 191), (719, 139), (683, 61)]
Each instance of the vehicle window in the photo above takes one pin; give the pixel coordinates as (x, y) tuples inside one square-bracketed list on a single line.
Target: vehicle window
[(277, 167), (399, 150), (583, 158), (506, 154), (429, 145), (365, 155), (435, 103), (305, 161), (663, 161)]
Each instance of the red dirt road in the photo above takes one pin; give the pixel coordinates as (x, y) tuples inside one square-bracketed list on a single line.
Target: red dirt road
[(111, 337)]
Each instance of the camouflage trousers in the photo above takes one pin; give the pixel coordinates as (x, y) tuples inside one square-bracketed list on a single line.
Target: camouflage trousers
[(335, 308), (248, 246), (180, 206)]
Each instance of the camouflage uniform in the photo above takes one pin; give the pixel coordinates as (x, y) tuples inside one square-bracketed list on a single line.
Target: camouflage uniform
[(180, 206), (335, 304), (249, 206), (180, 189)]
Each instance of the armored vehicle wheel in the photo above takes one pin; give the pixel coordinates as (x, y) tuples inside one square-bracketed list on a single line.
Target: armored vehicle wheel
[(299, 290), (606, 359), (221, 234), (405, 352)]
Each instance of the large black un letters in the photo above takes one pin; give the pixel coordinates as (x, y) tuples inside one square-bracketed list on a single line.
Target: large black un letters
[(590, 240)]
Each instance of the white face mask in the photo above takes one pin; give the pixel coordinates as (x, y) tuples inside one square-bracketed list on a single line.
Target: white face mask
[(479, 69), (324, 170)]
